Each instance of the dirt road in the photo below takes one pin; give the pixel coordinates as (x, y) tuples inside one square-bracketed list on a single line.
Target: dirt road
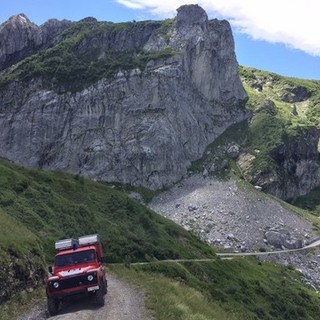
[(123, 302)]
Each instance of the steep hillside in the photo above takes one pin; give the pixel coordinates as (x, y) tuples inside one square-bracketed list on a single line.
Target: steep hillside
[(128, 102), (37, 208), (55, 205), (282, 153), (21, 257)]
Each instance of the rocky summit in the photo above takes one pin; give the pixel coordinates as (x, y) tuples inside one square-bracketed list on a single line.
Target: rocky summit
[(134, 102)]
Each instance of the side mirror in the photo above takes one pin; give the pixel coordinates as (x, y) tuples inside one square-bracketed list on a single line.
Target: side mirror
[(50, 269)]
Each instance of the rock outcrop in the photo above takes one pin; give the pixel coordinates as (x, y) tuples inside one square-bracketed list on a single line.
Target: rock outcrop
[(20, 273), (20, 38), (298, 167), (143, 126)]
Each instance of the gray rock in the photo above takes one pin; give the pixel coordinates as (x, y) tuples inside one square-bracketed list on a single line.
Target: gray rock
[(233, 151), (137, 196), (267, 106), (243, 248), (294, 110), (224, 164), (295, 94), (205, 173), (298, 160), (19, 37), (230, 236), (276, 238), (212, 167), (189, 15), (192, 207)]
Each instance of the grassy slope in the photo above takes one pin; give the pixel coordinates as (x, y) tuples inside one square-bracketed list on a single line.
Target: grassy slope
[(20, 249), (272, 125), (55, 205), (269, 127), (274, 87), (237, 289), (15, 237)]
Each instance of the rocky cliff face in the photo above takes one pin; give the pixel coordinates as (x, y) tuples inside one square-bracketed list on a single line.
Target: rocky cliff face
[(299, 162), (20, 273), (19, 38), (282, 153), (143, 126), (298, 167)]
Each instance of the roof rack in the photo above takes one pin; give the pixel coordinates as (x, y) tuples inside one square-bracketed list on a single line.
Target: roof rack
[(66, 244), (89, 239)]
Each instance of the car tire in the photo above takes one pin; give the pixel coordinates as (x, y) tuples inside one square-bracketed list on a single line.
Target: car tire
[(53, 306), (100, 296)]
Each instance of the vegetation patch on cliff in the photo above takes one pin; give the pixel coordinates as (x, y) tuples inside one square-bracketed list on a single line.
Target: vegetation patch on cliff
[(77, 59), (310, 201), (284, 111)]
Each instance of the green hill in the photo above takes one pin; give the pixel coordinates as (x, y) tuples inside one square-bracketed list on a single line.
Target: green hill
[(38, 207), (55, 205)]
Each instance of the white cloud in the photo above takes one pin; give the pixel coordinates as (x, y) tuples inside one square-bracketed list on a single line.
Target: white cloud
[(131, 4), (295, 23)]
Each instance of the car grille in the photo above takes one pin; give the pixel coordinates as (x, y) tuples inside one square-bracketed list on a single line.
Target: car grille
[(73, 282)]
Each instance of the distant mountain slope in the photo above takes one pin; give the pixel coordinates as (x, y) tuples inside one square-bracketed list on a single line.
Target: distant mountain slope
[(278, 148)]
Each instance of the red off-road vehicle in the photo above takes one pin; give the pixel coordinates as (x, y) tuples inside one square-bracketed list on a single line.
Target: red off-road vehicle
[(77, 269)]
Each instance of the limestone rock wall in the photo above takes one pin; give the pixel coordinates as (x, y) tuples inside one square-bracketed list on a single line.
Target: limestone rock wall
[(142, 127)]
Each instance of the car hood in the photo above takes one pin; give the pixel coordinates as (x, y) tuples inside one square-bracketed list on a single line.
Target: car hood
[(70, 272)]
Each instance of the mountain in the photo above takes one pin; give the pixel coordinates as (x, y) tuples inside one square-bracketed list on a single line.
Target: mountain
[(139, 106), (281, 154), (130, 102), (20, 38)]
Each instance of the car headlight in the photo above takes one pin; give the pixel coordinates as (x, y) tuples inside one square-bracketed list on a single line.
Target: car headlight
[(56, 285), (90, 277)]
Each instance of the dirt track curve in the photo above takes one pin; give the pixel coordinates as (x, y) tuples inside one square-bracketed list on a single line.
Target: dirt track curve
[(123, 302)]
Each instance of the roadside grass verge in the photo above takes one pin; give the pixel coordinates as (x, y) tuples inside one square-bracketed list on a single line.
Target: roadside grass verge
[(170, 299), (223, 289)]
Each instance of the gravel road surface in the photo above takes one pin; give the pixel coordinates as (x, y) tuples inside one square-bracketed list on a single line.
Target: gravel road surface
[(123, 302)]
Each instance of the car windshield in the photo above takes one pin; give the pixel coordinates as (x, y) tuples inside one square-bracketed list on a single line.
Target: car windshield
[(74, 258)]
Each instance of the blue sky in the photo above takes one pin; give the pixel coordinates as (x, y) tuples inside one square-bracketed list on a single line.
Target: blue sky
[(276, 35)]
